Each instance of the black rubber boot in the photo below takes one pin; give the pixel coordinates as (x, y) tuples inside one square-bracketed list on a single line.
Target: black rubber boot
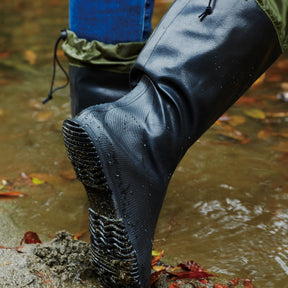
[(98, 72), (90, 86), (190, 71)]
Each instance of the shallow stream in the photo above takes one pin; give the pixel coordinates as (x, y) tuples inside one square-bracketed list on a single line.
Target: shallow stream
[(227, 204)]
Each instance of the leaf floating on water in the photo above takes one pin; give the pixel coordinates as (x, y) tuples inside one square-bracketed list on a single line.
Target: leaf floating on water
[(11, 194), (246, 100), (268, 133), (69, 175), (30, 238), (277, 114), (233, 120), (255, 113), (230, 133), (37, 181), (30, 57), (43, 116), (41, 178)]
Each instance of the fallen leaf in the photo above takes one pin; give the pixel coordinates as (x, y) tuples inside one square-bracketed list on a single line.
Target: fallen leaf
[(234, 282), (11, 194), (191, 270), (4, 55), (48, 178), (191, 275), (37, 181), (247, 283), (259, 81), (159, 268), (155, 276), (284, 85), (78, 235), (255, 113), (43, 116), (30, 238), (233, 120), (246, 100), (277, 114), (174, 285), (229, 132), (70, 175), (156, 259), (274, 77), (30, 57), (220, 286), (283, 64)]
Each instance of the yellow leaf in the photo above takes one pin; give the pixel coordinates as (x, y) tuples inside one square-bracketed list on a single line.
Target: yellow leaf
[(255, 113), (156, 253), (37, 181), (158, 268), (259, 81)]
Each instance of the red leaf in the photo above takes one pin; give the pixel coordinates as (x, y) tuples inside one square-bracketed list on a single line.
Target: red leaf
[(30, 238), (219, 286), (174, 285), (11, 194), (155, 276), (190, 275), (234, 282), (247, 283)]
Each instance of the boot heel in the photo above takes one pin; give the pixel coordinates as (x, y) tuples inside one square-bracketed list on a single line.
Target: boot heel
[(112, 252)]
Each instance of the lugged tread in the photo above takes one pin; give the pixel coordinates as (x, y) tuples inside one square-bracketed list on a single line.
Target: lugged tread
[(113, 254)]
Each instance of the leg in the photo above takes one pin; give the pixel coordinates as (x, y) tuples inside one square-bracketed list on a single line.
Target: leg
[(189, 72), (104, 41)]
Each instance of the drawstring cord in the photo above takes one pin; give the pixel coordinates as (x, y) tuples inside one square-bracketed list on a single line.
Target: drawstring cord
[(208, 11), (56, 60)]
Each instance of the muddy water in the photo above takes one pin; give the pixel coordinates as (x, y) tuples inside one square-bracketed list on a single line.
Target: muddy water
[(227, 204)]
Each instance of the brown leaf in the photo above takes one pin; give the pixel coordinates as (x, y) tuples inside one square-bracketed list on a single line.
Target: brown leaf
[(43, 116), (68, 174), (30, 57), (246, 100), (4, 55), (230, 133)]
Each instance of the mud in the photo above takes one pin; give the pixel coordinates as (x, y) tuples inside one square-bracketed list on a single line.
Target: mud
[(63, 262)]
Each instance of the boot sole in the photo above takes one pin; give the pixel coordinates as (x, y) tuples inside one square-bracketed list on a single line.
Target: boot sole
[(113, 254)]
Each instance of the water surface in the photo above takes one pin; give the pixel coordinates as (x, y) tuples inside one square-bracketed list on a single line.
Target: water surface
[(227, 204)]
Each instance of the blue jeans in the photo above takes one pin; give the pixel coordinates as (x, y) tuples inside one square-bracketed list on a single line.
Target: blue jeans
[(111, 21)]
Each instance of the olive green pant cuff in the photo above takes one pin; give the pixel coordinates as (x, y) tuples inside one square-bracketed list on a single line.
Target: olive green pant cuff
[(110, 57)]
